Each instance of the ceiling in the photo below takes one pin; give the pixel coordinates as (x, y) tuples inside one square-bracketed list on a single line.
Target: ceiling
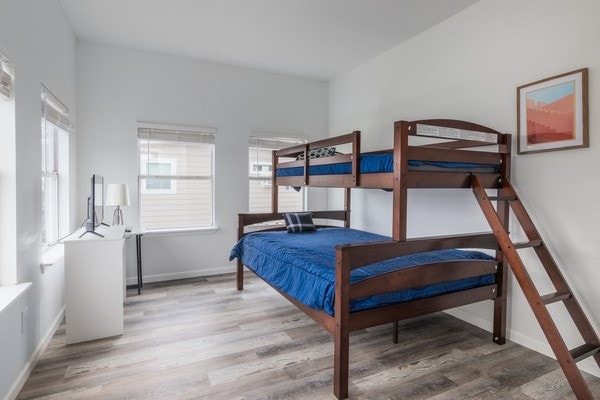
[(318, 39)]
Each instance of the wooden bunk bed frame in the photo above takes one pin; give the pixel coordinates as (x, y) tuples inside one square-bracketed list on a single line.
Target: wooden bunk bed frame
[(458, 136)]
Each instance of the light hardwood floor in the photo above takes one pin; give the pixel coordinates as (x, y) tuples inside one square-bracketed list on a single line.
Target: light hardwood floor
[(202, 339)]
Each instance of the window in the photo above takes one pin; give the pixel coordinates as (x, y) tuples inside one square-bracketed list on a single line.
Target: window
[(8, 205), (176, 179), (161, 167), (260, 172), (55, 168)]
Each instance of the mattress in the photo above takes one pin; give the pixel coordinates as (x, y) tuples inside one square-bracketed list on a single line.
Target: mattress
[(384, 162), (303, 266)]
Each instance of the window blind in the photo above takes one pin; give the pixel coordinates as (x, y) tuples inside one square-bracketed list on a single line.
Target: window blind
[(5, 80), (273, 143), (54, 111), (176, 135)]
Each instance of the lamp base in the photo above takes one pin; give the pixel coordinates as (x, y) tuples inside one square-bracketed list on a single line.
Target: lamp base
[(118, 217)]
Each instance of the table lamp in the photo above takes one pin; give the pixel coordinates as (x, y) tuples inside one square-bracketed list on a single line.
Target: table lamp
[(117, 194)]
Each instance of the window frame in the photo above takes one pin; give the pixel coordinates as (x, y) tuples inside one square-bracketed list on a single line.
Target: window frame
[(55, 131), (277, 143), (179, 134), (50, 177), (8, 202)]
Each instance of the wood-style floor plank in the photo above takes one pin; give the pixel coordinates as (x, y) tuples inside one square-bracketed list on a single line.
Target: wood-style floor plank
[(202, 339)]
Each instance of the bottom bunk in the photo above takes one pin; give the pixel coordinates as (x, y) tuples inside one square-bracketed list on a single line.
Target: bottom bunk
[(348, 280), (303, 266)]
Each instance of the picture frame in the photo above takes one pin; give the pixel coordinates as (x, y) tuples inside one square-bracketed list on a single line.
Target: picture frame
[(552, 114)]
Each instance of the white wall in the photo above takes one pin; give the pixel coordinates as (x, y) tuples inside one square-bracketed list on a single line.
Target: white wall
[(119, 87), (39, 36), (468, 67)]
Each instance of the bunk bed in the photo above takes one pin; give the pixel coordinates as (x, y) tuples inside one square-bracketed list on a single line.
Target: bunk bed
[(357, 279)]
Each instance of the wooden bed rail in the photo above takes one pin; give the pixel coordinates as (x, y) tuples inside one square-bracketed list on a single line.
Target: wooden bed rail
[(362, 254), (352, 139), (420, 275), (294, 151), (401, 311), (423, 153)]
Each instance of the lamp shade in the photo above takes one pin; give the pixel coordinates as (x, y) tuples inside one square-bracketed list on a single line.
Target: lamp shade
[(117, 194)]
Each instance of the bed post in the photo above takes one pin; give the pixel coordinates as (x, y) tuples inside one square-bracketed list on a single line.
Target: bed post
[(347, 199), (341, 356), (499, 329), (400, 172), (240, 266), (355, 158), (274, 187)]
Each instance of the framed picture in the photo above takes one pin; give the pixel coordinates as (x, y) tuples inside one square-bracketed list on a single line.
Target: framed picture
[(552, 114)]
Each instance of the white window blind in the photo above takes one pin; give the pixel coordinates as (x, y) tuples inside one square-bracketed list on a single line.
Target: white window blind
[(260, 173), (176, 180), (273, 143), (6, 80), (55, 112), (177, 135)]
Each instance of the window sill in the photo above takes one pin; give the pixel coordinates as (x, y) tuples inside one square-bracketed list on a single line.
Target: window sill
[(177, 232), (53, 253), (8, 294)]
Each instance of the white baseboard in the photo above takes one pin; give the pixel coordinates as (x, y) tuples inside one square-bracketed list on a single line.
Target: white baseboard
[(183, 275), (470, 318), (544, 348), (26, 371)]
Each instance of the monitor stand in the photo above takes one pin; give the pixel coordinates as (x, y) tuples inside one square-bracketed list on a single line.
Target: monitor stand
[(95, 233), (89, 227)]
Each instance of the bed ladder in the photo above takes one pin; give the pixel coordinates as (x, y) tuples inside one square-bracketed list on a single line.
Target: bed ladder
[(538, 303)]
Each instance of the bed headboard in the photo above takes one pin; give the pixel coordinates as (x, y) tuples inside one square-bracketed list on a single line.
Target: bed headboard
[(455, 129), (247, 220)]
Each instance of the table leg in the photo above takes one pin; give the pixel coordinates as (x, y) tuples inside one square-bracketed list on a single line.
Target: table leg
[(138, 247)]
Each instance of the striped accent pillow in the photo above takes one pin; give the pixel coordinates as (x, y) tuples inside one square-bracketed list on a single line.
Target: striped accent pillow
[(299, 222)]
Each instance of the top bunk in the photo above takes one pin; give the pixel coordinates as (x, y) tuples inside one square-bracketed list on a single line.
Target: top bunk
[(434, 153)]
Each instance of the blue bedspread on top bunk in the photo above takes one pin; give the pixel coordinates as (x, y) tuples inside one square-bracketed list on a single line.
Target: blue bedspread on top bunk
[(303, 266), (377, 163)]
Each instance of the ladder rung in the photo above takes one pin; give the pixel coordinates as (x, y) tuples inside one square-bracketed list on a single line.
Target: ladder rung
[(524, 245), (554, 297), (584, 351), (502, 198)]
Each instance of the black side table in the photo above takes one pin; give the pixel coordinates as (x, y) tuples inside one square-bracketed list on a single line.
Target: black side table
[(138, 247)]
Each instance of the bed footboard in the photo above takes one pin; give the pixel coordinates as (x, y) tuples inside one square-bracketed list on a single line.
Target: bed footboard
[(350, 257)]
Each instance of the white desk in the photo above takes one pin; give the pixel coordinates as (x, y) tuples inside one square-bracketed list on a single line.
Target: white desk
[(94, 284)]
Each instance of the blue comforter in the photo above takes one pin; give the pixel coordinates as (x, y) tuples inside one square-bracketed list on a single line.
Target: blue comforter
[(378, 163), (303, 266)]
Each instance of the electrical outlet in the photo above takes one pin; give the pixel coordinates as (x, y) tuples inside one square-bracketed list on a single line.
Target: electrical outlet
[(23, 319)]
